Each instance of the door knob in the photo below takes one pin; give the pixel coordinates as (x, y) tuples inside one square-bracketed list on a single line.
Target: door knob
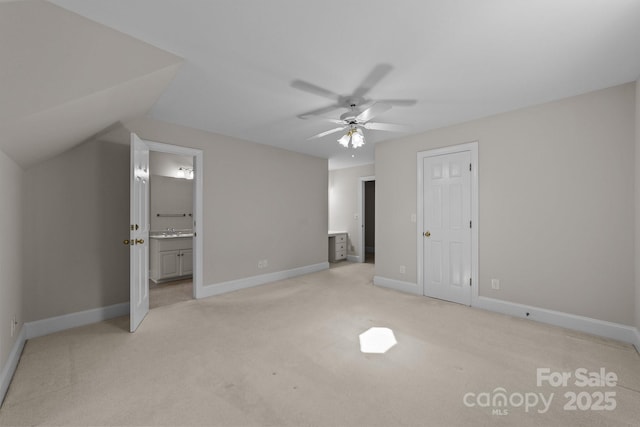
[(427, 234), (132, 242)]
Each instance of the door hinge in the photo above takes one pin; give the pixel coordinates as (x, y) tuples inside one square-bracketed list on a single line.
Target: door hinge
[(469, 167), (470, 281), (470, 225)]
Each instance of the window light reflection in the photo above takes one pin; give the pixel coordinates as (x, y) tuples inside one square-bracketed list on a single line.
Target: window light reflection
[(377, 340)]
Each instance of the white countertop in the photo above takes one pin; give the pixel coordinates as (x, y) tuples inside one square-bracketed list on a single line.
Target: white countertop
[(170, 234)]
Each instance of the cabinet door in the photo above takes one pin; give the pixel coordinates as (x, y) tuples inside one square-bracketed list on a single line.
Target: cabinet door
[(169, 264), (186, 262)]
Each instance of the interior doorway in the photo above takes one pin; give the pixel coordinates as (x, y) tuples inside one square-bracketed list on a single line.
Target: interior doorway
[(367, 215), (171, 235), (370, 222), (139, 238)]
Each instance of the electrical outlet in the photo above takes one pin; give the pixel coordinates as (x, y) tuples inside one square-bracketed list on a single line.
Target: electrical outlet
[(260, 264), (403, 269), (265, 263), (495, 284)]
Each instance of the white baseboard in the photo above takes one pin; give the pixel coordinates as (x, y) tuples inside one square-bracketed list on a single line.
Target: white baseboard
[(42, 327), (601, 328), (398, 285), (249, 282), (12, 363)]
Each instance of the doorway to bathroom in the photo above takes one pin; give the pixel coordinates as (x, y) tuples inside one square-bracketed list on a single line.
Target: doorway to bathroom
[(171, 190), (140, 225)]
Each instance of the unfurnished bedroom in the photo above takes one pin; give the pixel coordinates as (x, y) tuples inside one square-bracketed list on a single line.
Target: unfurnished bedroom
[(335, 213)]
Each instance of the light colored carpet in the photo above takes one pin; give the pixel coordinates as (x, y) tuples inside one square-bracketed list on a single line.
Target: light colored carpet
[(288, 354)]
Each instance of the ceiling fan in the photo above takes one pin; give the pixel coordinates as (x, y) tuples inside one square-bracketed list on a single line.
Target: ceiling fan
[(360, 110)]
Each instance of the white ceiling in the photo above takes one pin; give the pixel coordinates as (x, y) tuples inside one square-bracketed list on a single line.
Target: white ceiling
[(461, 59)]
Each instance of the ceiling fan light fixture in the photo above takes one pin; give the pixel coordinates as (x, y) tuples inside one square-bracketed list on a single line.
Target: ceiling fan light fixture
[(357, 140), (355, 137), (344, 141)]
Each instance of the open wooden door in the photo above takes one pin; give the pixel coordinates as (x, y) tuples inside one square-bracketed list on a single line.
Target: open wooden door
[(139, 236)]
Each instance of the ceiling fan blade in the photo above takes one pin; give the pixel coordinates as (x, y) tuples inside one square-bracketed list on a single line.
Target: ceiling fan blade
[(326, 119), (399, 102), (371, 112), (329, 132), (319, 112), (378, 73), (316, 90), (386, 126)]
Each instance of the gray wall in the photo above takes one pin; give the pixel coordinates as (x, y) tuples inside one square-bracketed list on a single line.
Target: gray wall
[(343, 202), (11, 229), (556, 189), (260, 202), (77, 211)]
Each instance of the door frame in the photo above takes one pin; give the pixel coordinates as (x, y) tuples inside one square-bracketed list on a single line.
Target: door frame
[(362, 220), (198, 217), (471, 147)]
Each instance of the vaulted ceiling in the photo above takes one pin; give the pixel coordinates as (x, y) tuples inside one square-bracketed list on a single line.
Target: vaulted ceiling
[(65, 77)]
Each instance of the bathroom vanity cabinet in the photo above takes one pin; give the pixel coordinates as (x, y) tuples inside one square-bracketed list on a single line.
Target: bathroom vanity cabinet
[(170, 258)]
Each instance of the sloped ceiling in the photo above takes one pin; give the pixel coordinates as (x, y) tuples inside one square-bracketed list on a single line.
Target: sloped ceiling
[(65, 78)]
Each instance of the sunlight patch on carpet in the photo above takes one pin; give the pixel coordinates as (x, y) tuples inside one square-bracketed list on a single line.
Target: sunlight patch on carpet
[(377, 340)]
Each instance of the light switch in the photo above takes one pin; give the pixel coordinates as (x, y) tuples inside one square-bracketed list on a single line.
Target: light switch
[(413, 218)]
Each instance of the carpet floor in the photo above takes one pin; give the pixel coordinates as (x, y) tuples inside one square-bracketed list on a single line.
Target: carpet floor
[(288, 354)]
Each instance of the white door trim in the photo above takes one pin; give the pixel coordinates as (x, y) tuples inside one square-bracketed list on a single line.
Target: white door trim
[(198, 218), (361, 218), (472, 147)]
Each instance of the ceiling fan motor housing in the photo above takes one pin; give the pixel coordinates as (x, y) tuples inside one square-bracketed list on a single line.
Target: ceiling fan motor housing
[(350, 116)]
